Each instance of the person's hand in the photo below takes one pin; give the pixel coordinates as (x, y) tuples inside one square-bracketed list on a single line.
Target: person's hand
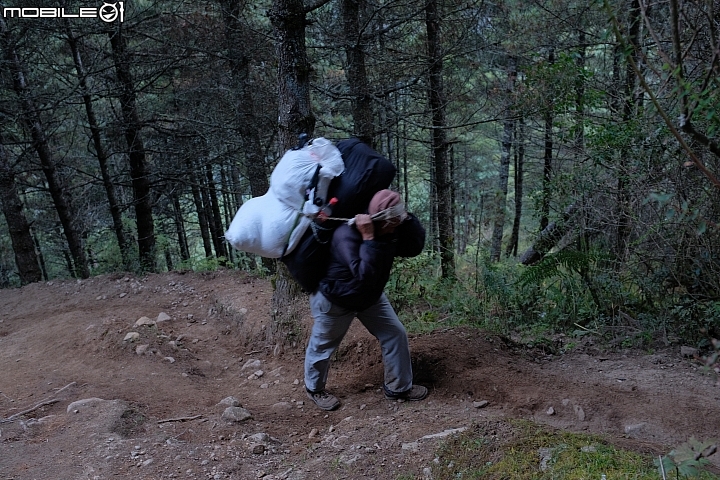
[(364, 224)]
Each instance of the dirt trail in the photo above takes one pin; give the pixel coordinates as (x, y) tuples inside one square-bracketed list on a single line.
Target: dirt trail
[(157, 414)]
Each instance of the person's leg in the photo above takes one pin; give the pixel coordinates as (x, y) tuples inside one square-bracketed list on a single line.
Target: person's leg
[(383, 323), (330, 325)]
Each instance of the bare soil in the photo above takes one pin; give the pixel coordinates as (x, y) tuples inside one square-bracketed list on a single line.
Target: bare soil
[(155, 410)]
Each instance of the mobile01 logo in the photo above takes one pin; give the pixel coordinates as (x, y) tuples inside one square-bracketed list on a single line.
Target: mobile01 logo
[(108, 12)]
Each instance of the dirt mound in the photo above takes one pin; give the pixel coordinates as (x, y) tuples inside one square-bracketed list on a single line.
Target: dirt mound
[(160, 388)]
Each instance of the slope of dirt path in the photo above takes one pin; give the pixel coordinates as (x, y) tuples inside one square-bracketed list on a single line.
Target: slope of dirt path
[(152, 404)]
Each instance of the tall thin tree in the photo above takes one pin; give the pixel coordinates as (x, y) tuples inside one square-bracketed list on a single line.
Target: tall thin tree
[(30, 118), (443, 179), (20, 236), (132, 129), (100, 151)]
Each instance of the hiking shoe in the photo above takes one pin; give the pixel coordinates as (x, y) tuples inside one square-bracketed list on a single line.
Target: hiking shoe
[(324, 400), (416, 393)]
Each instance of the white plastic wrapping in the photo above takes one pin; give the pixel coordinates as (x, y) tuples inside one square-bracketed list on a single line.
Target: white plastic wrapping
[(266, 225)]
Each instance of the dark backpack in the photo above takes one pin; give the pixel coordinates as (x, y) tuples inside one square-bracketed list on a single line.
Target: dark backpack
[(366, 173)]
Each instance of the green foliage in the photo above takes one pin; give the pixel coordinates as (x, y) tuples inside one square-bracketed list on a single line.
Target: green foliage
[(688, 460), (523, 450), (562, 264)]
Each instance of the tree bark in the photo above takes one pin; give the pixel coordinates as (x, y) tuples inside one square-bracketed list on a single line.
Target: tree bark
[(218, 232), (180, 226), (245, 119), (512, 248), (100, 153), (20, 236), (200, 209), (548, 153), (139, 174), (31, 120), (629, 104), (295, 116), (504, 171), (549, 237), (443, 179), (356, 71)]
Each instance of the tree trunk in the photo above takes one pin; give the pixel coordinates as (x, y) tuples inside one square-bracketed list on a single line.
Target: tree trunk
[(18, 226), (245, 119), (443, 181), (549, 237), (580, 97), (548, 154), (288, 18), (504, 172), (100, 153), (356, 71), (180, 226), (200, 209), (31, 119), (138, 163), (631, 99), (218, 232), (512, 248)]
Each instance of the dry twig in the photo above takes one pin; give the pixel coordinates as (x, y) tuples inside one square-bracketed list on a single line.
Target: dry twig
[(179, 419)]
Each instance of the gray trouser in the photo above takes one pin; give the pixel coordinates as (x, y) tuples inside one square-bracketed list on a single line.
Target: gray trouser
[(332, 323)]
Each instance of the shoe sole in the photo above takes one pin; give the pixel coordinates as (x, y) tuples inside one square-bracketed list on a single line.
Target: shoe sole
[(408, 399)]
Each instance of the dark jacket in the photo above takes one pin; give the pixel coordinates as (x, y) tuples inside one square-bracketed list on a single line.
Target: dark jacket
[(359, 269)]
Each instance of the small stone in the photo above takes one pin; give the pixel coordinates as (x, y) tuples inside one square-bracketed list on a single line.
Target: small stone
[(550, 411), (264, 385), (163, 317), (410, 447), (141, 349), (296, 382), (259, 373), (281, 406), (147, 462), (480, 404), (144, 321), (580, 413), (252, 363), (230, 402), (123, 295), (363, 406), (688, 351), (313, 433), (589, 449), (169, 359), (257, 448), (236, 414), (131, 337), (260, 437), (191, 317)]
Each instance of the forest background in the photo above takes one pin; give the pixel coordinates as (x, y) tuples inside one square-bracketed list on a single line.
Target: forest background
[(561, 153)]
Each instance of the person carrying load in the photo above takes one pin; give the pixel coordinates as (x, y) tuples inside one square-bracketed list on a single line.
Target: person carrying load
[(361, 257)]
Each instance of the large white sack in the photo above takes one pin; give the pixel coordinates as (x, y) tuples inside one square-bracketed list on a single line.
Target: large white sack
[(273, 224), (296, 168), (264, 225)]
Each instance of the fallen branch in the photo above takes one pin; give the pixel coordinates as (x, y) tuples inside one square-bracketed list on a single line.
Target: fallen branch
[(179, 419), (66, 386), (32, 409)]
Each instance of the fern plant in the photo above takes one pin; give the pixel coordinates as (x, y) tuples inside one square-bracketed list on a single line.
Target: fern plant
[(560, 264)]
